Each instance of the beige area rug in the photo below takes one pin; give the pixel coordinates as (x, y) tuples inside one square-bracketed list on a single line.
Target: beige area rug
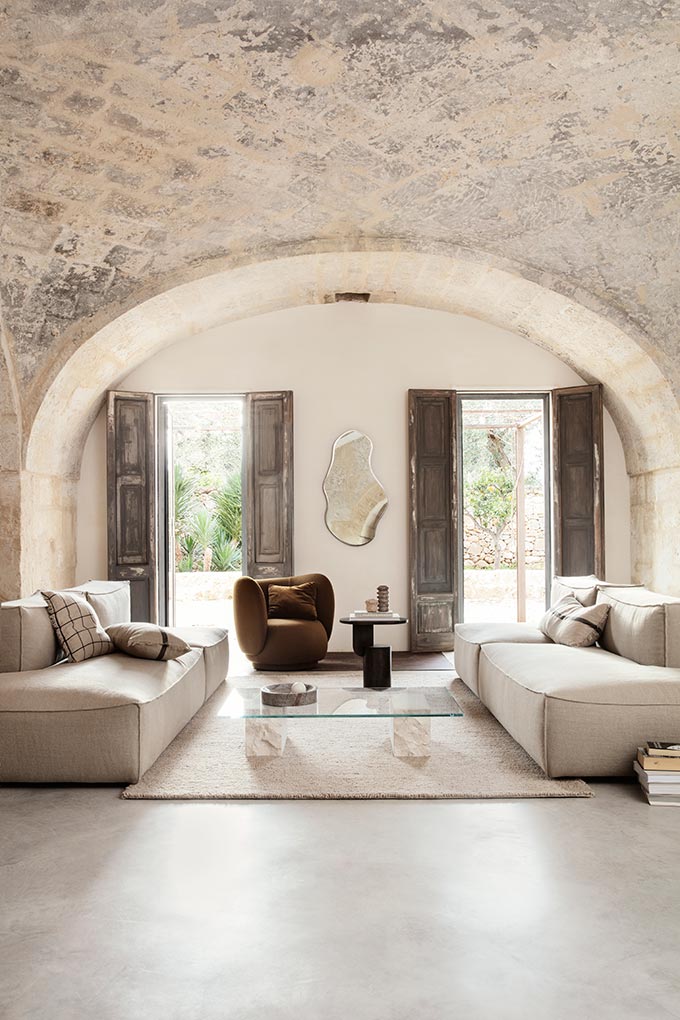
[(341, 759)]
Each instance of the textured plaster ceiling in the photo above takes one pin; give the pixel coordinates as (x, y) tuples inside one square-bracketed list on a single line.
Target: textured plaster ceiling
[(147, 142)]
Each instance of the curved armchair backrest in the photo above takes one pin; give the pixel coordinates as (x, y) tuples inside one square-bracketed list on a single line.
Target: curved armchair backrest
[(325, 596), (250, 615)]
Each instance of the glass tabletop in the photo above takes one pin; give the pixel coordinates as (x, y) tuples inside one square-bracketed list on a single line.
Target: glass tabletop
[(345, 702)]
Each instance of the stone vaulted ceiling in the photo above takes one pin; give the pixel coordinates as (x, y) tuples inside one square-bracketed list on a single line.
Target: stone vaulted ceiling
[(144, 143)]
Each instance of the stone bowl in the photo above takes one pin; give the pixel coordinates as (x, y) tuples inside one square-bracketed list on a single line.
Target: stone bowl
[(281, 696)]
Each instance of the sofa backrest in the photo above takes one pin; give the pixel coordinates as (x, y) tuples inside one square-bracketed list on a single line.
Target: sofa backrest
[(642, 625), (583, 588), (27, 638)]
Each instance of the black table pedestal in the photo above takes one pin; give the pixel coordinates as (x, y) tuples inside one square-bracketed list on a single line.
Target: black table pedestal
[(378, 666), (377, 658), (362, 638)]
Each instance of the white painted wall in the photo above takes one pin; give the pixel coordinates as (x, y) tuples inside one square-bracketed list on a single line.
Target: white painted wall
[(350, 366)]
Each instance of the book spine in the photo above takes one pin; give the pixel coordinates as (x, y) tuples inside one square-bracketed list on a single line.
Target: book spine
[(659, 764)]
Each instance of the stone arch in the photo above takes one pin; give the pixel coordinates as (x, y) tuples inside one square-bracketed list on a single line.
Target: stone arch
[(639, 398)]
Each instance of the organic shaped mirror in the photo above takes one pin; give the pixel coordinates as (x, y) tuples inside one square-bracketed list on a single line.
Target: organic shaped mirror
[(355, 499)]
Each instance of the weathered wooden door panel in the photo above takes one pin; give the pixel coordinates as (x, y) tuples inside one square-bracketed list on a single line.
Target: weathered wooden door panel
[(131, 483), (268, 468), (433, 518), (578, 481)]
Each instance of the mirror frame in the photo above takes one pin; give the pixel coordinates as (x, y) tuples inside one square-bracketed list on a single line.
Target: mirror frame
[(372, 521)]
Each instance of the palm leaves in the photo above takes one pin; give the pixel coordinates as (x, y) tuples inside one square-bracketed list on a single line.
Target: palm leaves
[(185, 495), (207, 538), (228, 507), (226, 552)]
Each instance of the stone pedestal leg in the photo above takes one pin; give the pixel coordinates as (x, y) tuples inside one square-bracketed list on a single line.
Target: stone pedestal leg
[(411, 737), (265, 738)]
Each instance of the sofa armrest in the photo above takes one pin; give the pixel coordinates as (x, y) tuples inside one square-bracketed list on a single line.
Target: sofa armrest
[(250, 615)]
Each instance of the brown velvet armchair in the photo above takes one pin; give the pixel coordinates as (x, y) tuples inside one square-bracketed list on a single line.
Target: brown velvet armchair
[(281, 644)]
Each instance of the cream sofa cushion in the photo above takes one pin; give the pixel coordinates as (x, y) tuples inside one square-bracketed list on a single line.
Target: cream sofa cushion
[(214, 643), (642, 625), (104, 720), (27, 637), (110, 682), (589, 675), (469, 638), (578, 711), (109, 599), (583, 588)]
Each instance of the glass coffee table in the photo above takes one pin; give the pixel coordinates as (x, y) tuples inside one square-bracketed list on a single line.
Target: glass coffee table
[(409, 708)]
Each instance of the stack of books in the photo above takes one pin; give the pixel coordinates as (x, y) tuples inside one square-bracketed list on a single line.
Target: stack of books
[(363, 614), (658, 769)]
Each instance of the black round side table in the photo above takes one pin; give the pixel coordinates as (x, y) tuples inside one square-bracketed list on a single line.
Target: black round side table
[(377, 665)]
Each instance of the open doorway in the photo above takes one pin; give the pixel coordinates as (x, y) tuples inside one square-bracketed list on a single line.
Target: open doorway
[(202, 450), (505, 506)]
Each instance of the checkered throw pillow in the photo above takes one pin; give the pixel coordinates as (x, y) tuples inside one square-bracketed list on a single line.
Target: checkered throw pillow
[(77, 626)]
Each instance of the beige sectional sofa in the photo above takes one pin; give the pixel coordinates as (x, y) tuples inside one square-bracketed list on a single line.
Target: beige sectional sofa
[(107, 719), (582, 711)]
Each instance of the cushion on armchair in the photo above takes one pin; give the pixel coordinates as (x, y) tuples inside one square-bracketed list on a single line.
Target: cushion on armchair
[(292, 602)]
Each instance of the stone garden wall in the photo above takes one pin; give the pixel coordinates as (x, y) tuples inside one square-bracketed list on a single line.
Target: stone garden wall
[(479, 545)]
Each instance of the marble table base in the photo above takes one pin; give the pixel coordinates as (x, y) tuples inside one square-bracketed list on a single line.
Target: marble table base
[(265, 738), (411, 737)]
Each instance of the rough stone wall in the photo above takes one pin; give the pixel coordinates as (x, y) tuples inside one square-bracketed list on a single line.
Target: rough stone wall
[(480, 547), (148, 140), (148, 144), (10, 479)]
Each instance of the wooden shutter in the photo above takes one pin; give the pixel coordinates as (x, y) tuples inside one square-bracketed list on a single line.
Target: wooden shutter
[(268, 468), (578, 489), (433, 518), (130, 435)]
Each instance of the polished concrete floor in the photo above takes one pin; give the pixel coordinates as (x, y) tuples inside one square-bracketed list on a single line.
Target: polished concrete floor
[(555, 910)]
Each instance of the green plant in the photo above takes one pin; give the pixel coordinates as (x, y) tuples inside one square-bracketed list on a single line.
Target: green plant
[(188, 547), (228, 507), (184, 499), (203, 530), (185, 564), (226, 551), (490, 501)]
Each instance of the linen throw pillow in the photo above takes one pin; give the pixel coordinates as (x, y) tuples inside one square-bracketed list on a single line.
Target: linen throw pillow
[(147, 641), (112, 606), (292, 601), (571, 623), (77, 626)]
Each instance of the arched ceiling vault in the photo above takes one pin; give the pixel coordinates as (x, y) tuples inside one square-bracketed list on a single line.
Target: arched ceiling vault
[(640, 399), (150, 143)]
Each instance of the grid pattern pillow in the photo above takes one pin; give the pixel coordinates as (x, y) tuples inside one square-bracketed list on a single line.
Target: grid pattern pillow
[(571, 623), (76, 625)]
